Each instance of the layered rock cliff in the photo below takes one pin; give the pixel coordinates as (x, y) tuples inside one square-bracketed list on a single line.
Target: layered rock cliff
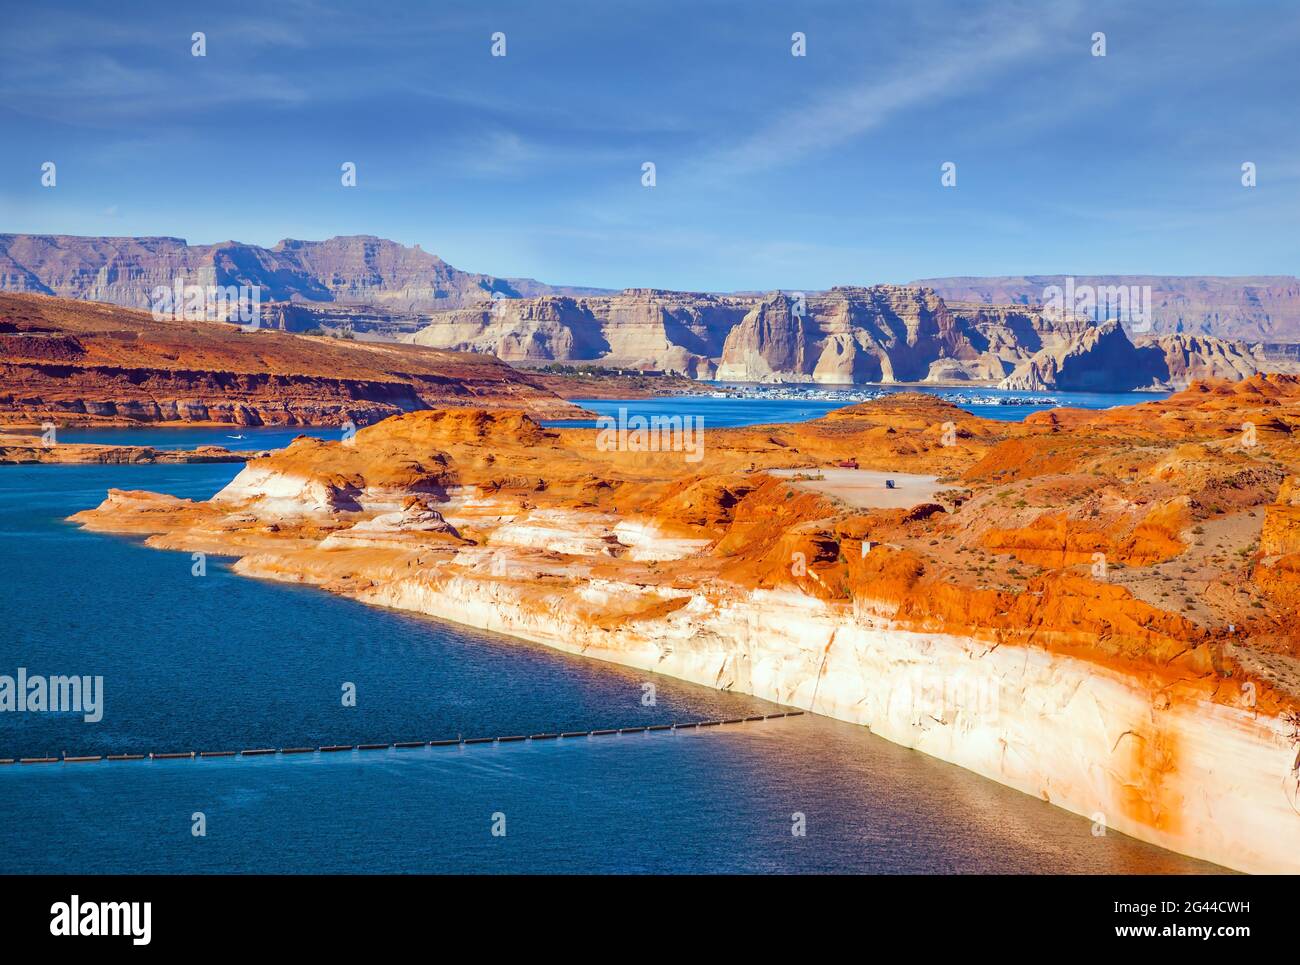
[(1102, 358), (680, 332), (26, 449), (330, 318), (884, 333), (1196, 358), (77, 362)]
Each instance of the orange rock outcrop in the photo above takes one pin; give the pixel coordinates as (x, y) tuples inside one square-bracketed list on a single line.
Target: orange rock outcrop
[(1047, 534)]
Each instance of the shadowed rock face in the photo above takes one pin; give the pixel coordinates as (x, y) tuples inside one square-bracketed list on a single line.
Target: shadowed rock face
[(1101, 358), (884, 333), (771, 341), (359, 269)]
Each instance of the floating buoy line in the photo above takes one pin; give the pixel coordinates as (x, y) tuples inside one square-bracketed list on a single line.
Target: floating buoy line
[(394, 745)]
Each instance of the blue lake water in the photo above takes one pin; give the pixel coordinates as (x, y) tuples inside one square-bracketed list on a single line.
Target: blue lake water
[(221, 662), (723, 412), (237, 438)]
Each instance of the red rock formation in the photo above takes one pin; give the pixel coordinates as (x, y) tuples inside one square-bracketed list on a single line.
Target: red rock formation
[(80, 362), (1280, 535)]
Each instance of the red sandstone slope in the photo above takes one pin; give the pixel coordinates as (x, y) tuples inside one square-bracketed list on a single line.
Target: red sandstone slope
[(69, 361)]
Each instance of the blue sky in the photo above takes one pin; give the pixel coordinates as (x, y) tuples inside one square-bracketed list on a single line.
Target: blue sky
[(772, 171)]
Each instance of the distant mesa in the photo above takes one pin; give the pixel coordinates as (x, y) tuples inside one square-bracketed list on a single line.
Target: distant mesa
[(847, 336), (1104, 359), (357, 269), (680, 332), (990, 331), (1253, 309)]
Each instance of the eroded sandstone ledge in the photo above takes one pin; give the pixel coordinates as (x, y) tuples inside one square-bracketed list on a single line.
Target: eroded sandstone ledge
[(24, 449)]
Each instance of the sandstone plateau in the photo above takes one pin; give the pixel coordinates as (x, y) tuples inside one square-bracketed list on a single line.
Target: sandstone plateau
[(83, 363), (1095, 607)]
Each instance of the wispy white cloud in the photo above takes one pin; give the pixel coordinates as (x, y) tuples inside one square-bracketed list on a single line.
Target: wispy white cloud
[(933, 73)]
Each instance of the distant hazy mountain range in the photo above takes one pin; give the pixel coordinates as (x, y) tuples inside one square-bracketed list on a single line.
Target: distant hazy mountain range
[(1254, 309), (989, 330), (359, 270)]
